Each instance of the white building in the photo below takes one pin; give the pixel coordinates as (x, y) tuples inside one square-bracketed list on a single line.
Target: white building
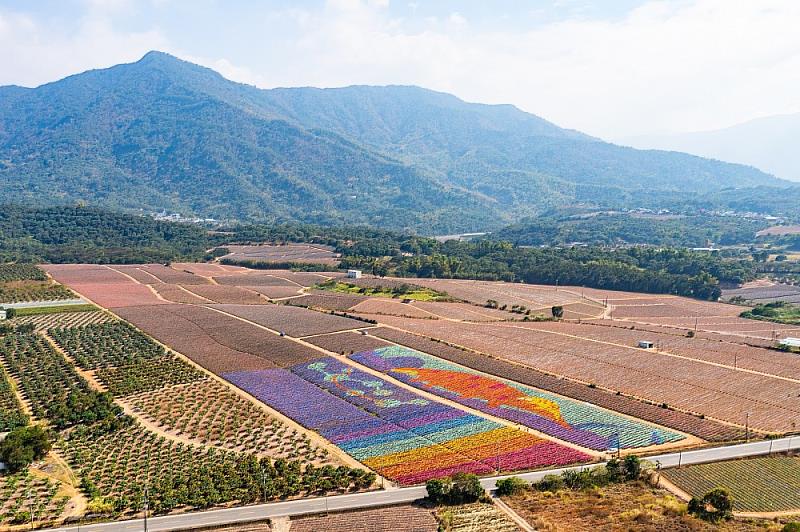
[(354, 274), (2, 313)]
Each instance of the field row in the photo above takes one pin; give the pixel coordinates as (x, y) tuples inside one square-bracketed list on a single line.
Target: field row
[(23, 291), (693, 386), (11, 412), (43, 322), (395, 432), (702, 428), (177, 397), (715, 351), (764, 484), (565, 419), (115, 457)]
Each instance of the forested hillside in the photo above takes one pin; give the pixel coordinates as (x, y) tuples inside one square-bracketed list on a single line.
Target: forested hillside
[(162, 133)]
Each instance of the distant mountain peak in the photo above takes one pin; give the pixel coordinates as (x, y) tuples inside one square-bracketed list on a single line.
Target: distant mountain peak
[(164, 133)]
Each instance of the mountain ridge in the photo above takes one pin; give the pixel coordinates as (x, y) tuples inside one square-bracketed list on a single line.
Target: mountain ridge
[(163, 133)]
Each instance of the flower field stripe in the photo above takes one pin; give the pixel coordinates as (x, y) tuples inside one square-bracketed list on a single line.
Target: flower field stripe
[(562, 418), (394, 430), (450, 436)]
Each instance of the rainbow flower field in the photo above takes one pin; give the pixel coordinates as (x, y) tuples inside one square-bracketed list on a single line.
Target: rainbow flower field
[(566, 419), (393, 431)]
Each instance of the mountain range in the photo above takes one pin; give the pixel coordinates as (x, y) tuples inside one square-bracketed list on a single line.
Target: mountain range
[(165, 134), (768, 143)]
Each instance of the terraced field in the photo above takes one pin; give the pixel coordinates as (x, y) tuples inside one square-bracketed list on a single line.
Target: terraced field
[(765, 484)]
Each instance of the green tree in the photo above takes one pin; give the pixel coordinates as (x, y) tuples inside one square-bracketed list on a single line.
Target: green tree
[(511, 486), (23, 446), (632, 467), (715, 505), (558, 311)]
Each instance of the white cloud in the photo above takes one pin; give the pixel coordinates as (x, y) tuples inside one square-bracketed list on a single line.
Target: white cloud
[(36, 53), (667, 66)]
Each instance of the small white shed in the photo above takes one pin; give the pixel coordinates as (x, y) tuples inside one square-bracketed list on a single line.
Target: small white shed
[(3, 314), (354, 274), (646, 344)]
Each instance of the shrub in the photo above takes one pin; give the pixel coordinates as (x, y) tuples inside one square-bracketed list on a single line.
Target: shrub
[(550, 483), (715, 505), (511, 486), (794, 526), (558, 311), (23, 446), (632, 467), (459, 488)]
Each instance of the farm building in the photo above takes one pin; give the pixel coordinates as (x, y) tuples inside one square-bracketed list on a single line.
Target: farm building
[(2, 314), (645, 344), (354, 274)]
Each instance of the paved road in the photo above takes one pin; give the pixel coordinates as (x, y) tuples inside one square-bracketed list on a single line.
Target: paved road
[(397, 496)]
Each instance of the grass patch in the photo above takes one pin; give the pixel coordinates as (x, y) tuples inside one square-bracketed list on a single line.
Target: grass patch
[(778, 312), (403, 291), (36, 311)]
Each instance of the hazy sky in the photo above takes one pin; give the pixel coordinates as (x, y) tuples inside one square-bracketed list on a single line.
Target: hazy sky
[(610, 68)]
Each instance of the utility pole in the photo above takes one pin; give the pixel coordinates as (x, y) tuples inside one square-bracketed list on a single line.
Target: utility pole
[(263, 483), (747, 427), (146, 506)]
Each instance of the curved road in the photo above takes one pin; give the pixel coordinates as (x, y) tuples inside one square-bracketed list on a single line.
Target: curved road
[(261, 512)]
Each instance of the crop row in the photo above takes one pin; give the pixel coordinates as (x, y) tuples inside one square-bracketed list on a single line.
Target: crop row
[(44, 322), (11, 413), (703, 428), (216, 341), (209, 413), (763, 484), (117, 466), (565, 419), (19, 291), (392, 430), (695, 386), (46, 379), (294, 321), (477, 516), (398, 518), (102, 345), (26, 498), (21, 272), (143, 375)]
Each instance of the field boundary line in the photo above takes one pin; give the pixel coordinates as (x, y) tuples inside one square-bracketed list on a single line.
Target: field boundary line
[(659, 352), (432, 397), (689, 439), (566, 378)]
